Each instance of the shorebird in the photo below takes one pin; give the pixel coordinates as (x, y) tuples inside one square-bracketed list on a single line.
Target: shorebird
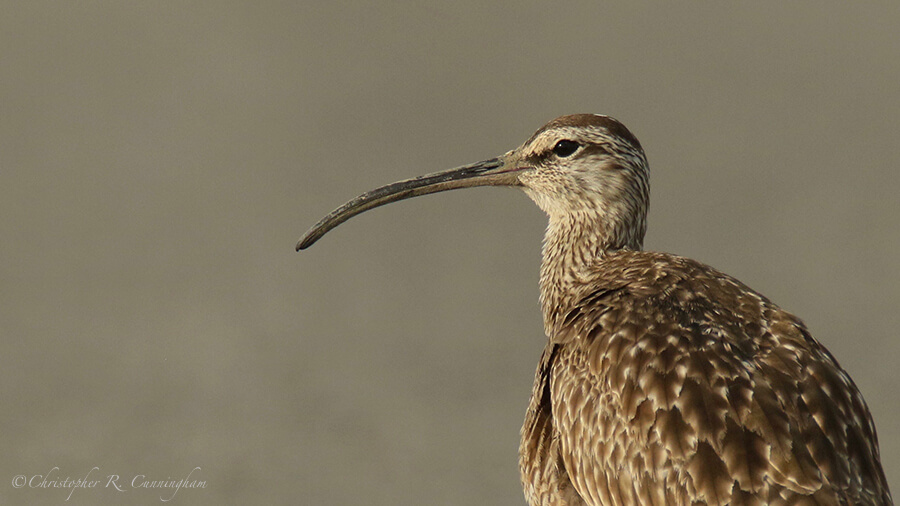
[(664, 381)]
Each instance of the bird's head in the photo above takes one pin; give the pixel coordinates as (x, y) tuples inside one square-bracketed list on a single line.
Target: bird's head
[(578, 167)]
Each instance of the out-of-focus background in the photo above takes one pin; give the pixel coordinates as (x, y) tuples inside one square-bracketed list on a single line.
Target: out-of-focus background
[(158, 161)]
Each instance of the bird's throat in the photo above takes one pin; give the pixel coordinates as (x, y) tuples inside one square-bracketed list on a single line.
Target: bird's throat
[(572, 246)]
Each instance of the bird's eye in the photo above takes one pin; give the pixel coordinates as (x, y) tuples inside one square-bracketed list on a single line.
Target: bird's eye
[(565, 148)]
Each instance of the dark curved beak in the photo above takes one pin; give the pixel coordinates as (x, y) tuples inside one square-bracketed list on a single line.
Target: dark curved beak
[(493, 172)]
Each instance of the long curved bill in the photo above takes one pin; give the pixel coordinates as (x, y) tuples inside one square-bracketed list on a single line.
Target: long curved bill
[(493, 172)]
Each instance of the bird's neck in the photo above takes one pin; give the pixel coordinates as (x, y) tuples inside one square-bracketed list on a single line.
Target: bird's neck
[(572, 245)]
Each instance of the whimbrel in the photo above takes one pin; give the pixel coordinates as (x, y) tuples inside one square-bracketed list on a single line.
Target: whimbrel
[(664, 381)]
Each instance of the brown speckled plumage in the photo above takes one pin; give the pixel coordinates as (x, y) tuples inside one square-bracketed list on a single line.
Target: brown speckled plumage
[(664, 381), (667, 382)]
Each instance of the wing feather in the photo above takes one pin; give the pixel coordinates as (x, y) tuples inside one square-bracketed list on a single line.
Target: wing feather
[(702, 390)]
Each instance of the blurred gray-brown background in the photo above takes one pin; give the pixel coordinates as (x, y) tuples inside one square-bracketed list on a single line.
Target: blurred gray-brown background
[(158, 161)]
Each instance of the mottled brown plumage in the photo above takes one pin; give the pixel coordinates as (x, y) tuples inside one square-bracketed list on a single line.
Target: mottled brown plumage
[(663, 381)]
